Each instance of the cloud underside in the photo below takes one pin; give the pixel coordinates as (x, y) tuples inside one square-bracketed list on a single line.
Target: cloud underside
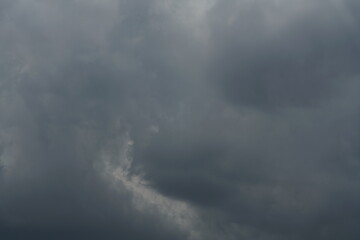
[(182, 119)]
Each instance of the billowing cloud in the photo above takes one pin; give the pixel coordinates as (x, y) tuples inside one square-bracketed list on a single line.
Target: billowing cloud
[(182, 119)]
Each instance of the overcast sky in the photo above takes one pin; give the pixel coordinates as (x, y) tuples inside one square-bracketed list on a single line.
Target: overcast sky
[(180, 119)]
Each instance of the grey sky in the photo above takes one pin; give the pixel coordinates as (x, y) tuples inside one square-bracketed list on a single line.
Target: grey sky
[(164, 119)]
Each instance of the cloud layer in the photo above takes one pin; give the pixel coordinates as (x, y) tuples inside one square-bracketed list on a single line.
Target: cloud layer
[(182, 119)]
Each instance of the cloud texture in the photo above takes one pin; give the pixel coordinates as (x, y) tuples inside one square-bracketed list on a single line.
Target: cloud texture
[(165, 119)]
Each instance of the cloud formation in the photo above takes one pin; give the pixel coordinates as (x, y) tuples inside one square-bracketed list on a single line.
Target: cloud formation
[(182, 119)]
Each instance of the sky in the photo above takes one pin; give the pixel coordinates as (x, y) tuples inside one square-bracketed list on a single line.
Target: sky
[(180, 119)]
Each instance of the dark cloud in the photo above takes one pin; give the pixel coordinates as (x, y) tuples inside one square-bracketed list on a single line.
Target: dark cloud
[(275, 157), (66, 102), (179, 119), (269, 55)]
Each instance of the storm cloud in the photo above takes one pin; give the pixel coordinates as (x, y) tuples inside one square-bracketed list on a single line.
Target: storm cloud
[(159, 119)]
